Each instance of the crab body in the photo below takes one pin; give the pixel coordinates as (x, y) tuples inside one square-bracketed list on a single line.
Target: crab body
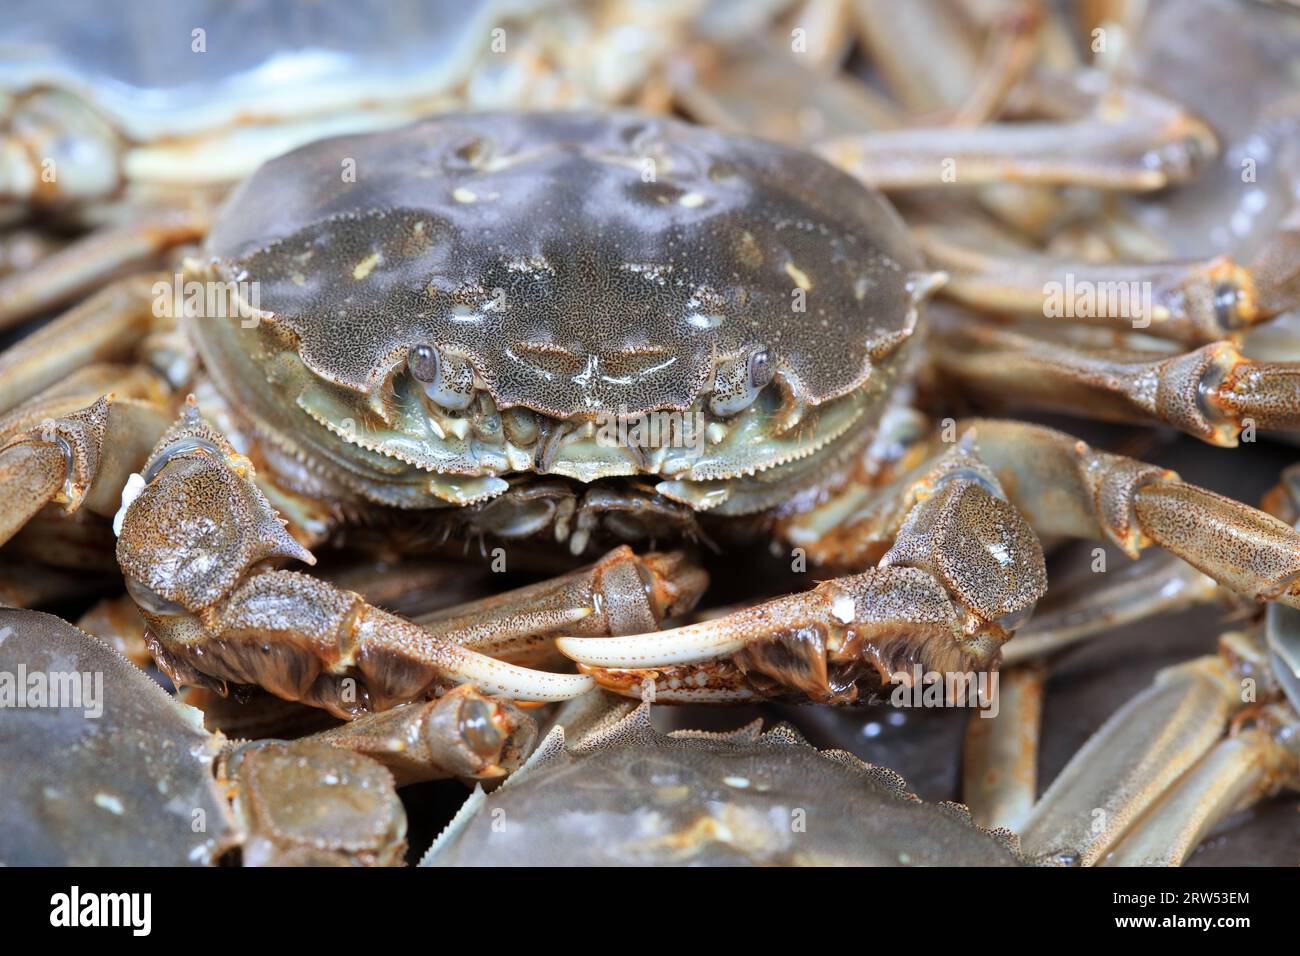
[(496, 294), (461, 330)]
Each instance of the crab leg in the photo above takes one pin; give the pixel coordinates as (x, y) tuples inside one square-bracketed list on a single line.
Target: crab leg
[(929, 32), (1012, 47), (1239, 772), (1134, 758), (196, 543), (61, 451), (1152, 781), (1193, 301), (1211, 393), (1151, 144), (965, 75), (1063, 487), (107, 327), (1066, 489), (89, 262), (963, 568), (827, 26), (460, 734), (1000, 758), (620, 594)]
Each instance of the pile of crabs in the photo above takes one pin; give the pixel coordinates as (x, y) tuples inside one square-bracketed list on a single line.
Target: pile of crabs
[(383, 462)]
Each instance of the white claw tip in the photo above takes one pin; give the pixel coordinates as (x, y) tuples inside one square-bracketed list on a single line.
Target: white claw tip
[(134, 485), (842, 608)]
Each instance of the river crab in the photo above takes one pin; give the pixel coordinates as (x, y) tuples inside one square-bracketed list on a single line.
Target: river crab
[(621, 793), (105, 768), (442, 343)]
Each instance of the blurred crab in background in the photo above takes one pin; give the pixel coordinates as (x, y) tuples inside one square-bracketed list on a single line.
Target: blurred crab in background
[(881, 218)]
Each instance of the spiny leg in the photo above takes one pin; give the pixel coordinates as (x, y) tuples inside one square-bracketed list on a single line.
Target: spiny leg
[(963, 569), (1212, 393)]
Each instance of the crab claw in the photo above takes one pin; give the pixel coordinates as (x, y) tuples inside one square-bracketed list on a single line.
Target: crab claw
[(829, 645), (964, 569), (510, 680)]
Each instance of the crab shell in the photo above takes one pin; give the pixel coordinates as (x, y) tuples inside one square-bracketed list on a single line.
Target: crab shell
[(126, 778), (571, 270), (630, 796)]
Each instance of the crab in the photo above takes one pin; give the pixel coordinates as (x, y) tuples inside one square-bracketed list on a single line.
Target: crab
[(442, 350), (622, 793), (138, 780), (426, 344)]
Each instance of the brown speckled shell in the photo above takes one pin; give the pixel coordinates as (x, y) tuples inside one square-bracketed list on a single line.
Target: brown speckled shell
[(582, 262)]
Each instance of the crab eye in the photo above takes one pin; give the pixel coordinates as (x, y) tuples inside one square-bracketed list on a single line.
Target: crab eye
[(478, 729), (423, 363), (447, 380), (738, 383)]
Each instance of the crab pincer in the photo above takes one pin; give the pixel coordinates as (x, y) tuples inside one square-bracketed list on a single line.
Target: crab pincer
[(964, 569), (197, 541)]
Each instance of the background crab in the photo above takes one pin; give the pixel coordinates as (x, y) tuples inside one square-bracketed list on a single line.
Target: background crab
[(436, 341)]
